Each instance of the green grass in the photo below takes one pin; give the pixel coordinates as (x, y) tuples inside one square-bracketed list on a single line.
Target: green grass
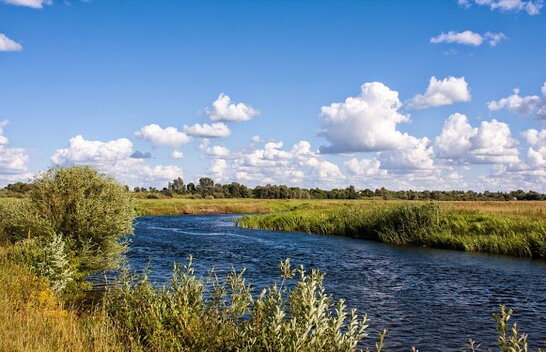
[(421, 224)]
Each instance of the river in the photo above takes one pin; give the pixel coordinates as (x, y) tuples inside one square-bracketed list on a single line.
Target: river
[(432, 299)]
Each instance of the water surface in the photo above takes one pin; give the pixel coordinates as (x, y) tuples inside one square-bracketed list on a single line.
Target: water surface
[(433, 299)]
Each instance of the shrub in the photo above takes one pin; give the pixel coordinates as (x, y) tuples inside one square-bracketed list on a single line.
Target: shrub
[(46, 258), (198, 315), (90, 210)]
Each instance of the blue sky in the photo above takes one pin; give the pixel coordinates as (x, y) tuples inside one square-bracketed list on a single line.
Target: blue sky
[(104, 70)]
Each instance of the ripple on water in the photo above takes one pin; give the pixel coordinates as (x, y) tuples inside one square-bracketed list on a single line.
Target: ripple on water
[(433, 299)]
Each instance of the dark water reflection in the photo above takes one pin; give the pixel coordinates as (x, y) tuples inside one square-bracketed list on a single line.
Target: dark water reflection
[(433, 299)]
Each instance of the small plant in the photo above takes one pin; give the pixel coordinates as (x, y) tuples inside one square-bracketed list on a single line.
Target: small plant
[(46, 258)]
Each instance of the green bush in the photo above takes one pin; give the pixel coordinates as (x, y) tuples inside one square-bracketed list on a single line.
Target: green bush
[(20, 220), (46, 257), (210, 315), (90, 210)]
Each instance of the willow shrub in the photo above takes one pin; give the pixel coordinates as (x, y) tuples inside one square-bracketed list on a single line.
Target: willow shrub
[(90, 211), (213, 315)]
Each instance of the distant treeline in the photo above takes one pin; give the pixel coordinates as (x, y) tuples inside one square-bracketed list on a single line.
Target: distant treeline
[(206, 188)]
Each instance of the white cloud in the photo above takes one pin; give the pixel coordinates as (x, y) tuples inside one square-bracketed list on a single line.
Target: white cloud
[(218, 169), (175, 154), (494, 38), (224, 110), (469, 38), (37, 4), (454, 140), (273, 164), (466, 38), (158, 136), (114, 158), (442, 92), (416, 155), (493, 144), (13, 161), (216, 151), (7, 44), (364, 123), (536, 155), (364, 167), (532, 7), (490, 143), (255, 139), (215, 130), (522, 105)]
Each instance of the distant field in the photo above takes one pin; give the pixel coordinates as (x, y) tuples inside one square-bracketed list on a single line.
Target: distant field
[(177, 206), (180, 206)]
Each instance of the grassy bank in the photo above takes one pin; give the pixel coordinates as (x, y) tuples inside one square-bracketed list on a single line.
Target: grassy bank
[(490, 228)]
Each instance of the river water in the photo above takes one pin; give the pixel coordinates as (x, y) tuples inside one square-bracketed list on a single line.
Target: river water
[(433, 299)]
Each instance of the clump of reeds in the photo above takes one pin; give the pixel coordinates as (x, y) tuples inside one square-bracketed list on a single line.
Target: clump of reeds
[(423, 224)]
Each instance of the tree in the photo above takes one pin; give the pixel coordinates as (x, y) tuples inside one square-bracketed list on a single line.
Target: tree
[(92, 212), (177, 186)]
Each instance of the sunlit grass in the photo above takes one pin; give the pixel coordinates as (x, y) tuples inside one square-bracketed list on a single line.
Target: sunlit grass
[(497, 230)]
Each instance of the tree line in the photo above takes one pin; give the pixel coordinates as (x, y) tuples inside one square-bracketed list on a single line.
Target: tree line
[(207, 188)]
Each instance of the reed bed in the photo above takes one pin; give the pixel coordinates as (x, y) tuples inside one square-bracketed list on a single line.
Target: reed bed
[(422, 224)]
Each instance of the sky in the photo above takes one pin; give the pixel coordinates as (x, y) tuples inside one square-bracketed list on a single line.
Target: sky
[(400, 94)]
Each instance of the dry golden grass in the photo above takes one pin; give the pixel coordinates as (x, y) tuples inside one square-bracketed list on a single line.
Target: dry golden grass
[(535, 210), (32, 319)]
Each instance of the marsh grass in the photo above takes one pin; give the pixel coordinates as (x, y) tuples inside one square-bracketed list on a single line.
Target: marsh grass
[(423, 224)]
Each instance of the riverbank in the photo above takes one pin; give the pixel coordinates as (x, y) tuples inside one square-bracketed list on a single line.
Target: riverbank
[(513, 229)]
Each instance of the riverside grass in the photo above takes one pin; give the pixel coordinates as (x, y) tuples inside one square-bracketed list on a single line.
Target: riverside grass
[(449, 226)]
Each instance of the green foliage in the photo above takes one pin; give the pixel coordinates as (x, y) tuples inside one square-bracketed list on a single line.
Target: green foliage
[(46, 257), (423, 224), (90, 210), (213, 315), (74, 217), (20, 220)]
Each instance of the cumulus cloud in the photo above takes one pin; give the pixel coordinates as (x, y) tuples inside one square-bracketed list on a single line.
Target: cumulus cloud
[(442, 92), (158, 136), (273, 163), (522, 105), (536, 154), (454, 140), (218, 169), (7, 44), (364, 123), (37, 4), (215, 130), (531, 7), (493, 144), (13, 161), (226, 111), (175, 154), (216, 151), (490, 143), (364, 167), (115, 158), (416, 155), (469, 38)]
